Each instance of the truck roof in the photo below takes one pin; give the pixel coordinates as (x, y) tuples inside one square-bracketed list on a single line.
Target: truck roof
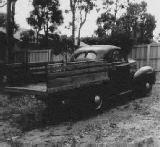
[(97, 48)]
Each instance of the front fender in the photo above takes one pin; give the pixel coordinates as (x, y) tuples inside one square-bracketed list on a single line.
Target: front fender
[(145, 73)]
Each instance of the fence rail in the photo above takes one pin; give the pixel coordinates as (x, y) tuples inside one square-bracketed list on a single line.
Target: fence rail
[(39, 56), (147, 55)]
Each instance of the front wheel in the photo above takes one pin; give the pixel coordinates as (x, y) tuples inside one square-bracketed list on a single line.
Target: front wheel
[(147, 87), (143, 88), (96, 102)]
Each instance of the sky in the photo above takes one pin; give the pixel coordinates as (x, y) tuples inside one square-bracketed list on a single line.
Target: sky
[(23, 7)]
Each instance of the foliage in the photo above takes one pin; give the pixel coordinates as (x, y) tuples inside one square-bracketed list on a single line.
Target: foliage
[(134, 26), (108, 19), (58, 44), (101, 32), (45, 16), (3, 44), (106, 23), (7, 21), (27, 36), (119, 39), (138, 23), (2, 20), (147, 27)]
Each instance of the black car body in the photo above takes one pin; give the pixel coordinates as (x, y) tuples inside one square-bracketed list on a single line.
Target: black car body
[(124, 74)]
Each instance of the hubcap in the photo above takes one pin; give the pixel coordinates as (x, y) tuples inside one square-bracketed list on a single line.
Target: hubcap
[(148, 85), (98, 102)]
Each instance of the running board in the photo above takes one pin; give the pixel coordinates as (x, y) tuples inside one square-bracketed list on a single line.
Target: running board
[(122, 93), (125, 92)]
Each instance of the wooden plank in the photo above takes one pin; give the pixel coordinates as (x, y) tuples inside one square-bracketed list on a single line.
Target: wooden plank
[(76, 85), (60, 85), (77, 72), (74, 66), (77, 80)]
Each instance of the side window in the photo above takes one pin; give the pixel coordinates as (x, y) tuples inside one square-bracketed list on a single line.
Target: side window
[(81, 56), (91, 56), (117, 57)]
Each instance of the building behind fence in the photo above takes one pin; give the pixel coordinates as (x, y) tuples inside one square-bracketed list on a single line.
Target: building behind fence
[(148, 54)]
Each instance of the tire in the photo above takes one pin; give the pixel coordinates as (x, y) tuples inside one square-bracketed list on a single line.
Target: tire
[(143, 89), (147, 87), (96, 102)]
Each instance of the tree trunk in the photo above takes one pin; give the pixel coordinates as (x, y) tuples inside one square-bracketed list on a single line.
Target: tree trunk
[(115, 12), (72, 6), (81, 25), (79, 35), (47, 28), (73, 27), (9, 32), (37, 36)]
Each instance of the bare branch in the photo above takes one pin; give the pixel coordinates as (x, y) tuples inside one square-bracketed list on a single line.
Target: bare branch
[(84, 20), (3, 5)]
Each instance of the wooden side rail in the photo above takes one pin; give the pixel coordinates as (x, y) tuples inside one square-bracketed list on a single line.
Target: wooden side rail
[(26, 73), (76, 74)]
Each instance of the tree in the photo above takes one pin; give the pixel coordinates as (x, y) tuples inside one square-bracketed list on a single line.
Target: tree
[(2, 20), (73, 10), (112, 6), (106, 23), (8, 21), (135, 23), (80, 10), (84, 7), (3, 46), (108, 19), (27, 36), (100, 32), (138, 23), (8, 18), (146, 28), (45, 16)]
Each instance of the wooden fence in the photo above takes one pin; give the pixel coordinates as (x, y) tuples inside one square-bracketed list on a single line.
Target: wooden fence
[(148, 54), (39, 56)]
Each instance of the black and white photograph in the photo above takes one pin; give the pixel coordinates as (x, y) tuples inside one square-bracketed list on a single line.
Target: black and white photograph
[(79, 73)]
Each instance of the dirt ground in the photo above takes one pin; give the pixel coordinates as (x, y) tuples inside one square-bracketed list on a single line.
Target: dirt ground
[(125, 120)]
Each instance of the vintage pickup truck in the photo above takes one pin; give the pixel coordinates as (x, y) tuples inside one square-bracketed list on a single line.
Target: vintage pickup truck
[(94, 73)]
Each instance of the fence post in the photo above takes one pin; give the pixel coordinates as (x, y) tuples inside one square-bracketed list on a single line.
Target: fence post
[(148, 53)]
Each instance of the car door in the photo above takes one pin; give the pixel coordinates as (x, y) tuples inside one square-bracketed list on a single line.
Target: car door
[(120, 72)]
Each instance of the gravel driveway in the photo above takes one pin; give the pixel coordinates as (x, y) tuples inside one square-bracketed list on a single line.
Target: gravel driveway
[(124, 121)]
